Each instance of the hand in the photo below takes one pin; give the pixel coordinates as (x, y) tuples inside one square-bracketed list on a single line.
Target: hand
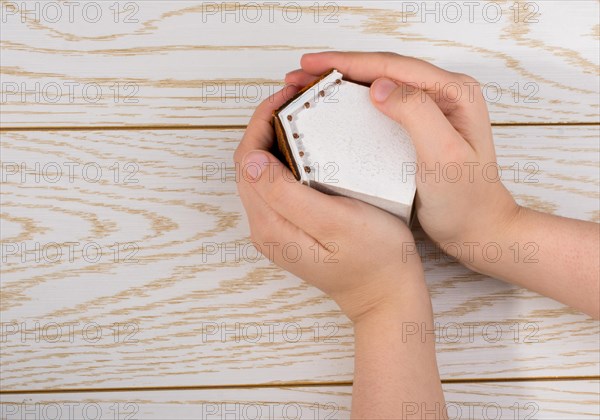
[(361, 256), (461, 203), (459, 196)]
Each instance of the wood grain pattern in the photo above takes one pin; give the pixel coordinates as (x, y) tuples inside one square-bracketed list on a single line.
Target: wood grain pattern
[(186, 63), (500, 400), (188, 304)]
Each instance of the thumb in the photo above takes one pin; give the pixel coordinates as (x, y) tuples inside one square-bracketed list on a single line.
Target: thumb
[(431, 133)]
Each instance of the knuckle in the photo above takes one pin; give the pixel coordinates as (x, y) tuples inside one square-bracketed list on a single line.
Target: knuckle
[(412, 97)]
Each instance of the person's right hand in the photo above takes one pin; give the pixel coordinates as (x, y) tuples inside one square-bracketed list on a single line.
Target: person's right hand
[(460, 198)]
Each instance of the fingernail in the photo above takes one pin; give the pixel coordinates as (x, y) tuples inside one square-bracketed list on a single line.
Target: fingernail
[(254, 162), (382, 88)]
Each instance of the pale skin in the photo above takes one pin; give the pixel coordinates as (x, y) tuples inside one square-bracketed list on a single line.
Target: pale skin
[(373, 273)]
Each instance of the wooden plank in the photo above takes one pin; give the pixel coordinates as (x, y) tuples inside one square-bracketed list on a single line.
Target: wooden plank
[(495, 400), (185, 301), (202, 63)]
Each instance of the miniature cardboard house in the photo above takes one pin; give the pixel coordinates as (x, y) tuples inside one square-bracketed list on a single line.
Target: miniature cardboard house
[(334, 140)]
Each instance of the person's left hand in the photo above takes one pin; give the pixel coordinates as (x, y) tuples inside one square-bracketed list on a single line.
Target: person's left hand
[(362, 256)]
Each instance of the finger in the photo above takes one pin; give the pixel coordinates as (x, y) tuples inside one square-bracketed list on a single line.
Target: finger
[(434, 138), (275, 237), (367, 67), (318, 214), (259, 133), (457, 95), (299, 78)]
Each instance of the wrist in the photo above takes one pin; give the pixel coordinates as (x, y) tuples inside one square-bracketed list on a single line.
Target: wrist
[(391, 301), (492, 246), (487, 227)]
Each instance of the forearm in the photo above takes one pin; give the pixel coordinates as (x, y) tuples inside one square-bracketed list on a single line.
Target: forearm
[(396, 373), (551, 255)]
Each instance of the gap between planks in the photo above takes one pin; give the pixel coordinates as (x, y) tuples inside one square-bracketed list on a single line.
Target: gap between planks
[(239, 127), (288, 385)]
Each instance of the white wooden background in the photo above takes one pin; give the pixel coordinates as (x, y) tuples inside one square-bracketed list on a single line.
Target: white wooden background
[(183, 321)]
